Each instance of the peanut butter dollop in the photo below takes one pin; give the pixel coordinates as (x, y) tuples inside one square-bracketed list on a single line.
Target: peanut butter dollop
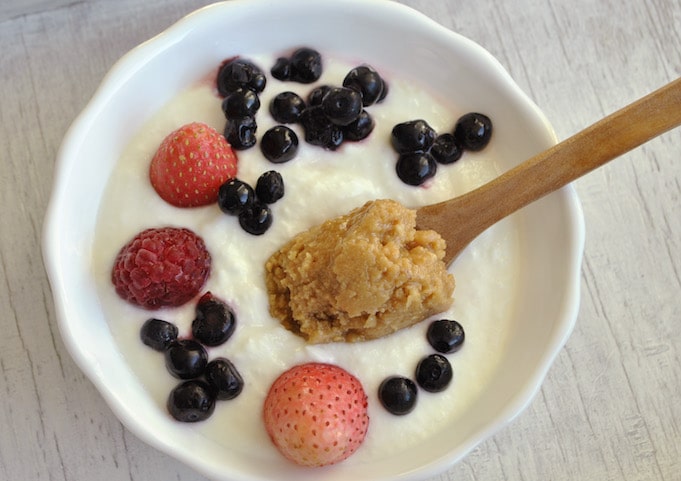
[(359, 276)]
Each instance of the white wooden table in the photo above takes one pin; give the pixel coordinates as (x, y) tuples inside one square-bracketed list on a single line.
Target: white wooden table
[(610, 408)]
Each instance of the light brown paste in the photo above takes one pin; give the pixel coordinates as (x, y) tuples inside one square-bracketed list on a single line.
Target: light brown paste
[(360, 276)]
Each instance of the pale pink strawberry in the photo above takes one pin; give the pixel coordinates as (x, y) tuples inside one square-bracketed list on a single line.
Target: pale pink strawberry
[(191, 164), (316, 414)]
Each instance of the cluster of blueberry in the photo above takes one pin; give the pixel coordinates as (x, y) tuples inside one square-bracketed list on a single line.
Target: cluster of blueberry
[(329, 116), (398, 394), (203, 382), (420, 148), (236, 197), (239, 82), (335, 114)]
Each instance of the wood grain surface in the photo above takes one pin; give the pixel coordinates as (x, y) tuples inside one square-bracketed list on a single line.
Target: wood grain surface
[(610, 407)]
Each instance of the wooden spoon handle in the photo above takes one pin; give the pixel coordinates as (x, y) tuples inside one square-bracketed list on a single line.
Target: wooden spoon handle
[(552, 169)]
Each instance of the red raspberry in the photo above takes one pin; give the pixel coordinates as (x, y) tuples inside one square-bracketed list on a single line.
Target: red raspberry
[(161, 267)]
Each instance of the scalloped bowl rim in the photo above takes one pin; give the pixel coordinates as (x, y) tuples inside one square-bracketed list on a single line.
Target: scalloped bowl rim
[(59, 249)]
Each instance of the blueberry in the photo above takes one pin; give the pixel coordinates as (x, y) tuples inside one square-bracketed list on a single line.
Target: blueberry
[(158, 334), (286, 107), (416, 167), (279, 144), (412, 136), (319, 130), (281, 70), (191, 401), (306, 65), (270, 187), (241, 103), (186, 358), (342, 105), (445, 336), (240, 73), (224, 379), (473, 131), (367, 81), (360, 128), (214, 322), (314, 98), (434, 373), (234, 195), (398, 395), (240, 132), (256, 218), (445, 149)]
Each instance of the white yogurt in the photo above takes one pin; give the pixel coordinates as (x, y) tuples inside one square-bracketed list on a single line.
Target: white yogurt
[(319, 185)]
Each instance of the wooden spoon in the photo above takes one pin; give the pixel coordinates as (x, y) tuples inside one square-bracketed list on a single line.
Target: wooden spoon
[(462, 219)]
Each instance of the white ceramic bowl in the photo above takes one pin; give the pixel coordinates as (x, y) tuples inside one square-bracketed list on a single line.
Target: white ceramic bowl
[(378, 32)]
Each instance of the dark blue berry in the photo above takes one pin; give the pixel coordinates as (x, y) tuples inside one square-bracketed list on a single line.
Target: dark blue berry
[(445, 336), (191, 401), (241, 103), (412, 136), (158, 334), (434, 373), (416, 167), (342, 105), (360, 128), (281, 70), (186, 358), (256, 218), (319, 130), (367, 81), (240, 73), (270, 187), (398, 395), (240, 132), (286, 107), (473, 131), (445, 149), (234, 195), (224, 379), (279, 144), (306, 65), (316, 95), (214, 323)]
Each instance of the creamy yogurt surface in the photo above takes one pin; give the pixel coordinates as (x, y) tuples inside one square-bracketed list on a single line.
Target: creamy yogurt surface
[(319, 185)]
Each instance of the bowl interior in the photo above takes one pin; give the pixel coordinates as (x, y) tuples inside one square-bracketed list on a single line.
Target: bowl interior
[(386, 34)]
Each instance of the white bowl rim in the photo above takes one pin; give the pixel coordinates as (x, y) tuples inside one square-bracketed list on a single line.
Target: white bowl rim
[(125, 67)]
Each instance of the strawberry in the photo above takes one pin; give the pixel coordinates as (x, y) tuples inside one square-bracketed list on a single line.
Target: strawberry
[(191, 164), (316, 414)]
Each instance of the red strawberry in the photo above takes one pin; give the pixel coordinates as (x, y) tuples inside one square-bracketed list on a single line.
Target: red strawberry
[(191, 164), (161, 267), (316, 414)]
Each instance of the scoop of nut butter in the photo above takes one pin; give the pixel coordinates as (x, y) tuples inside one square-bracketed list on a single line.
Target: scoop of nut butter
[(359, 276)]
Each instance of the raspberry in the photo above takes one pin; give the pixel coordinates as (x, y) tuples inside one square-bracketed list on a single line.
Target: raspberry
[(161, 267)]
